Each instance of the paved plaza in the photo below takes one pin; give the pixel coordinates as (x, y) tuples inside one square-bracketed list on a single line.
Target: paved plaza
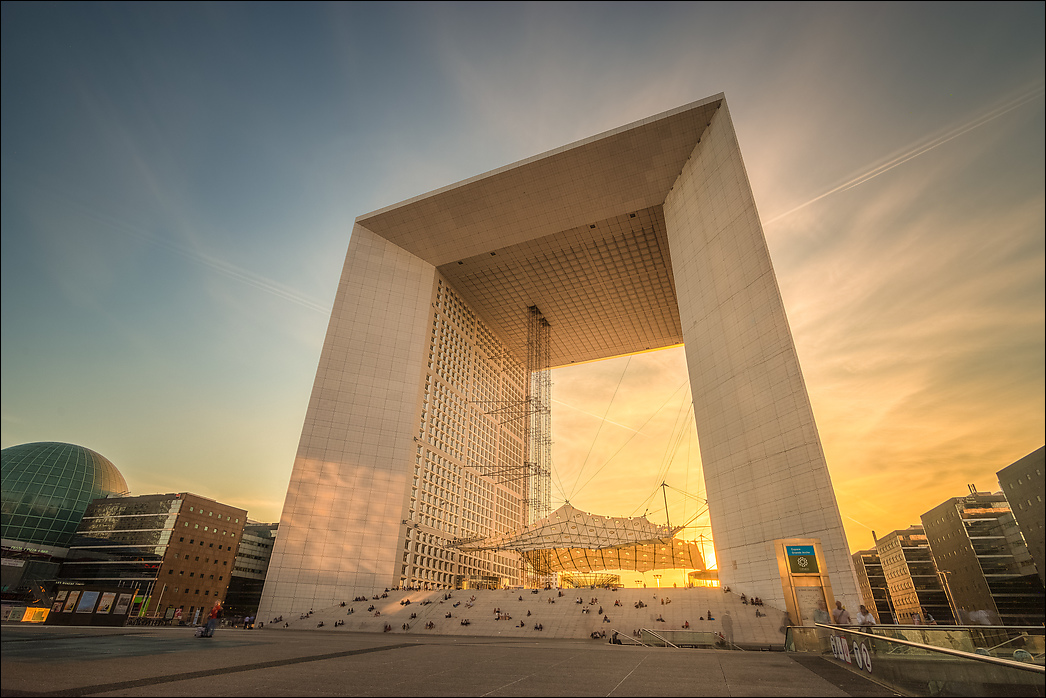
[(136, 661)]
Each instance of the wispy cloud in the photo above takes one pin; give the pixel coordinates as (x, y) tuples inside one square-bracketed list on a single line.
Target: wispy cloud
[(77, 213)]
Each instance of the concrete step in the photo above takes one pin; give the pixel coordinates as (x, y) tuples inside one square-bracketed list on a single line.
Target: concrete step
[(556, 610)]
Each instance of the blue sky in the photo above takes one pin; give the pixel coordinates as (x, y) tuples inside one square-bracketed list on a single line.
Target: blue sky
[(179, 182)]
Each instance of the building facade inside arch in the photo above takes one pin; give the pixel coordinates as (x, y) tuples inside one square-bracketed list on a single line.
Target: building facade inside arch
[(642, 237)]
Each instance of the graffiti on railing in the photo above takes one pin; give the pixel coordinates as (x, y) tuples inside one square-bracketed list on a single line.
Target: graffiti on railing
[(856, 654)]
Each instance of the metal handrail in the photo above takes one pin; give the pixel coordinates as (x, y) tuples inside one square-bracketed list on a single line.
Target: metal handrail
[(928, 626), (1012, 639), (658, 636), (631, 637), (945, 650)]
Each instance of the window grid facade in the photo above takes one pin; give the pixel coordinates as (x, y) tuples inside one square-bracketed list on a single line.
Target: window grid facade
[(872, 581), (976, 542), (461, 444), (911, 576), (1023, 484)]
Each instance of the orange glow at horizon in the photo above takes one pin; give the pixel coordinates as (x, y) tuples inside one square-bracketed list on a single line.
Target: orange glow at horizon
[(609, 458)]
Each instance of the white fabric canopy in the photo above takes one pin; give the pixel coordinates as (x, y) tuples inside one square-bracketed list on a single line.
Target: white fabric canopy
[(569, 539)]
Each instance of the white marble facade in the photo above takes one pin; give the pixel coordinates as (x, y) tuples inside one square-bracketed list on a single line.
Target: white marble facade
[(642, 237), (765, 473)]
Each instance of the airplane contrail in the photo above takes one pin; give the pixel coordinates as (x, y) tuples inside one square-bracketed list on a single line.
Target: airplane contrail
[(859, 523), (916, 151), (608, 421)]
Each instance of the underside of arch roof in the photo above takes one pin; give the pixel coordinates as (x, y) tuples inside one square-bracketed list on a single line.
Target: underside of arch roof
[(578, 232)]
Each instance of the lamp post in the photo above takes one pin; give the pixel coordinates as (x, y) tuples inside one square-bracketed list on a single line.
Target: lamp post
[(943, 574), (134, 597), (156, 610), (657, 578), (889, 603)]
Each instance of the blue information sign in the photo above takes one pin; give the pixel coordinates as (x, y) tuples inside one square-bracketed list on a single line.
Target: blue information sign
[(802, 559)]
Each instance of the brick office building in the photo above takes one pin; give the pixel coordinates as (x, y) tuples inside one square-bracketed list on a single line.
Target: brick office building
[(177, 551)]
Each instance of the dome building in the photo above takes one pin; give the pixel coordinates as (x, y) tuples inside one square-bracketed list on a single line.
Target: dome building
[(45, 488)]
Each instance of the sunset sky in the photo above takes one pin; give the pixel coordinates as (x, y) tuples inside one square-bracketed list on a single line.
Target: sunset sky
[(179, 182)]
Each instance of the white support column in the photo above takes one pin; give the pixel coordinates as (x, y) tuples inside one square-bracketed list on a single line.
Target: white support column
[(765, 471), (341, 525)]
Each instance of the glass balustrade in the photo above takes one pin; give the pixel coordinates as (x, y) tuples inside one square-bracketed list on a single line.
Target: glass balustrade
[(934, 660)]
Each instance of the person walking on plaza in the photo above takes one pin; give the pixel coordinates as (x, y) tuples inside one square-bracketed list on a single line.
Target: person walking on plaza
[(864, 618), (840, 616), (212, 619)]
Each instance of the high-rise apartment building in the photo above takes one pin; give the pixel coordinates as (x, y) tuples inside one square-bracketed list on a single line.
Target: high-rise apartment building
[(872, 582), (424, 425), (979, 550), (249, 568), (175, 550), (1023, 484), (915, 588)]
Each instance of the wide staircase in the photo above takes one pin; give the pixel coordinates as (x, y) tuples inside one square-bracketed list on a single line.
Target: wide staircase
[(475, 612)]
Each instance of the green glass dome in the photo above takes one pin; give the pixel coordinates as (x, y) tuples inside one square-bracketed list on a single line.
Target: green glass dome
[(46, 488)]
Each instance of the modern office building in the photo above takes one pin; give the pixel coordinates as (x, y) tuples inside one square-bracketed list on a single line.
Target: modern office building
[(981, 554), (46, 488), (916, 592), (428, 417), (250, 567), (176, 551), (872, 582), (1023, 484)]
